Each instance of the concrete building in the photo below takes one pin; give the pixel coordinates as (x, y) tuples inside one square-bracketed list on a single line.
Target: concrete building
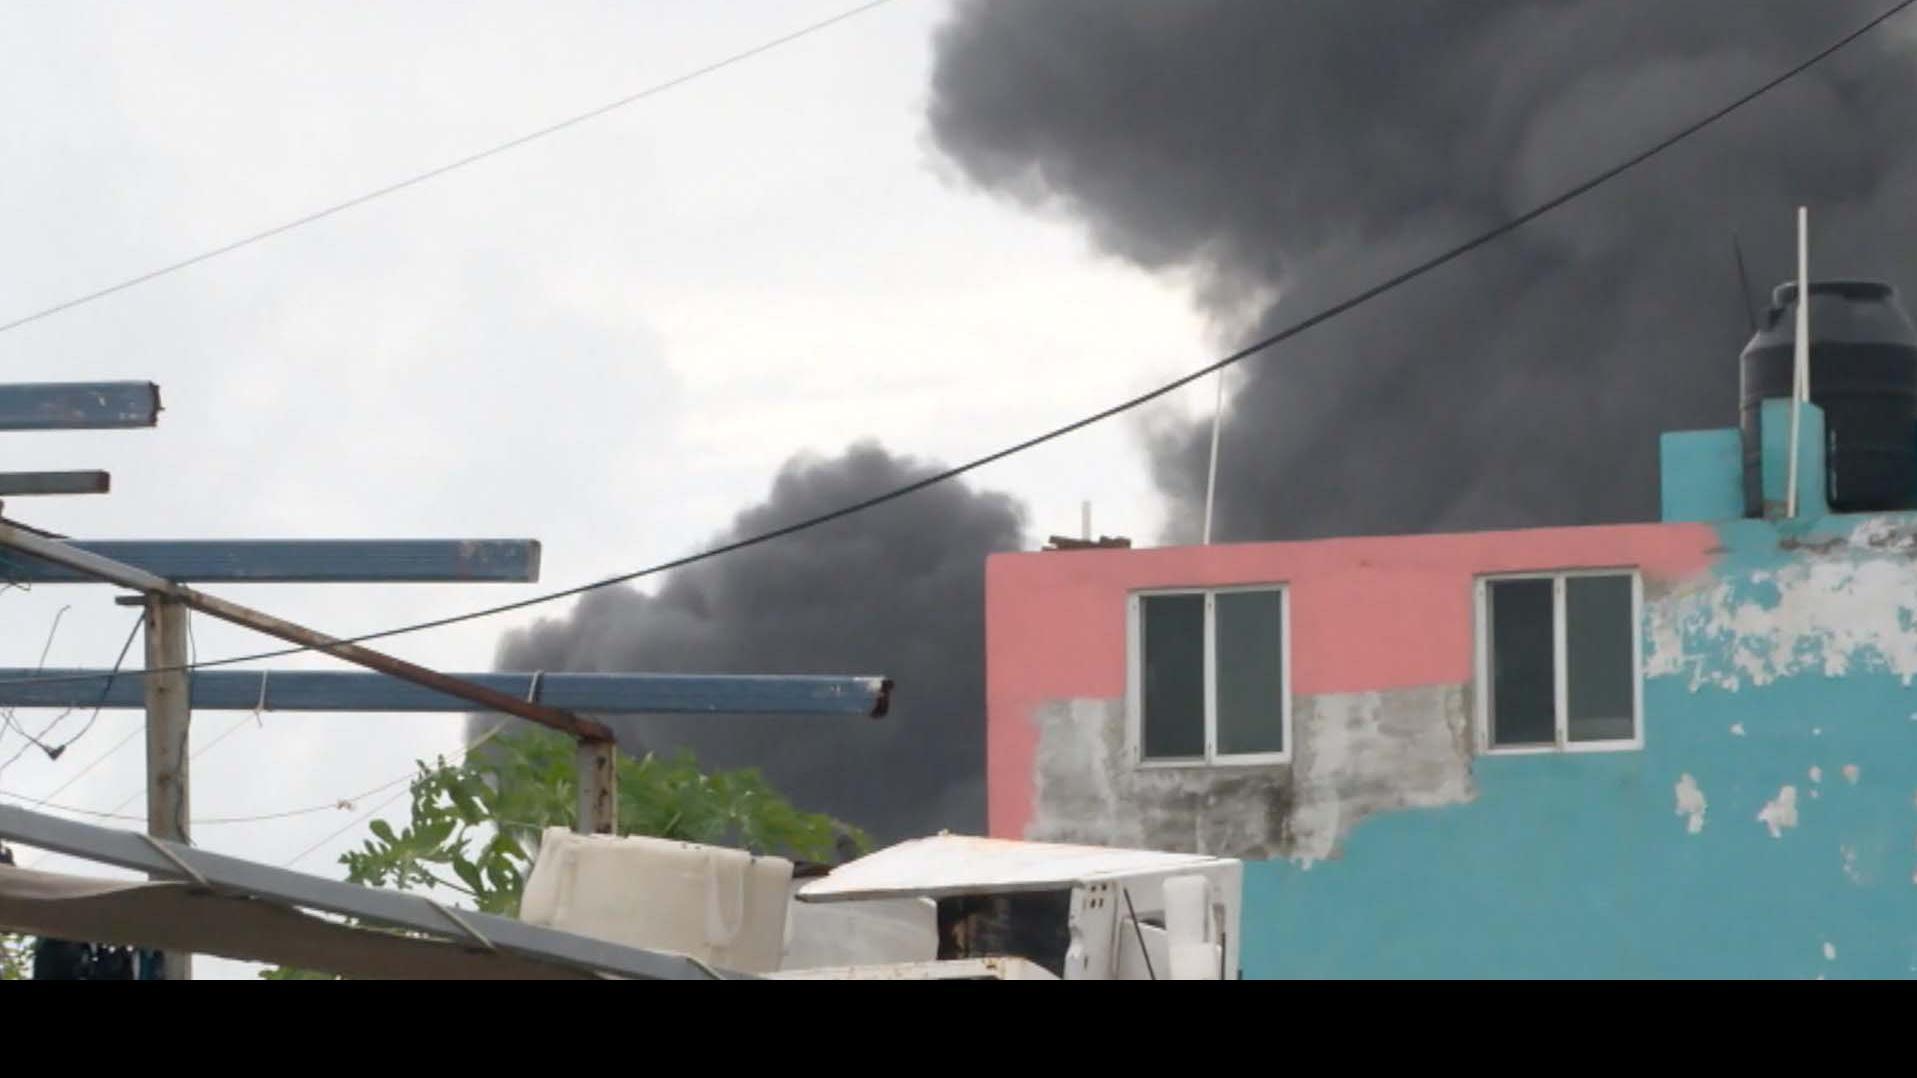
[(1674, 749)]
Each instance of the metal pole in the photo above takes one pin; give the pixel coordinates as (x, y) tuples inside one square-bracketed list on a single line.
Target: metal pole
[(168, 719), (1800, 374), (596, 763), (1211, 476)]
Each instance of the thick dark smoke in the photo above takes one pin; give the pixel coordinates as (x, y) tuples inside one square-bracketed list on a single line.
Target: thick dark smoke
[(1291, 153), (897, 591)]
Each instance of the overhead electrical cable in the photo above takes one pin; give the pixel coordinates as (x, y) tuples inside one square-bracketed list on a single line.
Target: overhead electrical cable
[(434, 173)]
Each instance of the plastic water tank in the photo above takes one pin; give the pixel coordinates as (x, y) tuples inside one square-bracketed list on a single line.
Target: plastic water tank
[(722, 906), (1863, 374)]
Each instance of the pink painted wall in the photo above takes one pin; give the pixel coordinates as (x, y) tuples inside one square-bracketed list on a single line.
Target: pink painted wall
[(1366, 614)]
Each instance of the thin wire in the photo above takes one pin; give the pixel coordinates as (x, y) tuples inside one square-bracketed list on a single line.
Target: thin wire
[(124, 648), (54, 752), (434, 173), (369, 813), (346, 803), (46, 648), (107, 688), (1325, 314), (6, 714), (137, 794), (97, 761)]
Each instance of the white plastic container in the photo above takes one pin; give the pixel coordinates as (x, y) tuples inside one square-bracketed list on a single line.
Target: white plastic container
[(1188, 927), (722, 906)]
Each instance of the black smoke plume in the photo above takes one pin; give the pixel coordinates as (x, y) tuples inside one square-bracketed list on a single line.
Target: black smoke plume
[(897, 591), (1287, 154)]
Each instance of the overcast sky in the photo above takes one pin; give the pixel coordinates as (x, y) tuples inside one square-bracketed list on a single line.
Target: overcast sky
[(608, 340)]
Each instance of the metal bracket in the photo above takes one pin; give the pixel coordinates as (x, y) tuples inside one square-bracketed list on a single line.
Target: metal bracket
[(462, 924), (166, 851)]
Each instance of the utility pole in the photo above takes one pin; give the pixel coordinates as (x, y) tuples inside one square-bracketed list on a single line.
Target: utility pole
[(1800, 373), (597, 765), (168, 721)]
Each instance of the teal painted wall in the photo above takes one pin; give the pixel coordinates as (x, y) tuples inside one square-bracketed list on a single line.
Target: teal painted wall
[(1796, 652), (1701, 475)]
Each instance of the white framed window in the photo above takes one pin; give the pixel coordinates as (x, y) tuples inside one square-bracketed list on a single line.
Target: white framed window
[(1210, 676), (1560, 665)]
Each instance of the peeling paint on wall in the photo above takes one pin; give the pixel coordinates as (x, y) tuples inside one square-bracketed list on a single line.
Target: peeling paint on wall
[(1357, 754), (1851, 771), (1690, 803), (1837, 608), (1780, 812)]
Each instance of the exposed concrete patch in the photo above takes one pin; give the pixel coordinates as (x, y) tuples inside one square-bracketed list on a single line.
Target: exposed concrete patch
[(1691, 804), (1830, 949), (1816, 773), (1851, 771), (1355, 754), (1361, 753), (1737, 728), (1780, 812)]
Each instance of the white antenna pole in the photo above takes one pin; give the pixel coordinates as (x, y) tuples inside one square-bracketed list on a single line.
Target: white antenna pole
[(1085, 521), (1800, 375), (1211, 477)]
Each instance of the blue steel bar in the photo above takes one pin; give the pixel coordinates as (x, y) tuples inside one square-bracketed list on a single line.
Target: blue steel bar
[(346, 690), (78, 405), (35, 483), (298, 561)]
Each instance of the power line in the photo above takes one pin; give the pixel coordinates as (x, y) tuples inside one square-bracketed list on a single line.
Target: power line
[(6, 714), (96, 762), (369, 813), (1323, 315), (54, 752), (346, 803), (434, 173)]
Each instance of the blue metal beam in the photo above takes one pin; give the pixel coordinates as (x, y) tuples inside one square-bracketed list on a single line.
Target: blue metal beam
[(25, 483), (307, 561), (78, 405), (340, 691)]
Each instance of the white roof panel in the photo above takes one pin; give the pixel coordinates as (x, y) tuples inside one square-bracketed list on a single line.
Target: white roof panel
[(961, 864)]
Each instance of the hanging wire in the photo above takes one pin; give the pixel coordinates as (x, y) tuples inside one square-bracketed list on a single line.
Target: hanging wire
[(54, 752)]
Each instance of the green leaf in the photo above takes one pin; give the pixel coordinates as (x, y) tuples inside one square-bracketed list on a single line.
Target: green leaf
[(469, 873)]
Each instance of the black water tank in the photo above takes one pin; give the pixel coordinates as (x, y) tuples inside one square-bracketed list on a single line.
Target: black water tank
[(1863, 374)]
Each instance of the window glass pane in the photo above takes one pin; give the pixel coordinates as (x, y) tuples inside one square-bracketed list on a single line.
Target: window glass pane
[(1597, 655), (1523, 683), (1174, 675), (1250, 654)]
